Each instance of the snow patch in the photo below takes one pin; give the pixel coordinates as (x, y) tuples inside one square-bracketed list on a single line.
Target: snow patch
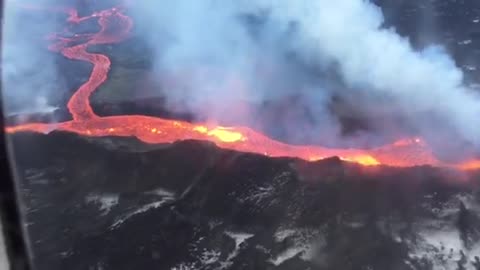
[(287, 254), (209, 257), (36, 176), (439, 241), (140, 210), (473, 255), (443, 247), (470, 202), (239, 239), (451, 207), (105, 201), (161, 192), (282, 234), (305, 241), (260, 194), (214, 223)]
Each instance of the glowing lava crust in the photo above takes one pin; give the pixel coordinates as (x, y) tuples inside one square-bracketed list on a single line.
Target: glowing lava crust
[(403, 153)]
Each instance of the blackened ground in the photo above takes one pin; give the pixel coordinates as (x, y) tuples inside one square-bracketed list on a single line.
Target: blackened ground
[(185, 205)]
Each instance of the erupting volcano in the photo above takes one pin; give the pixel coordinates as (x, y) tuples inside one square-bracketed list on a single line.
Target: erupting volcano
[(404, 153)]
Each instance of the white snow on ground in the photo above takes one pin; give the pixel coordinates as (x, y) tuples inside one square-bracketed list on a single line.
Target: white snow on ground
[(105, 201), (209, 257), (439, 240), (264, 195), (287, 254), (260, 194), (474, 252), (161, 192), (239, 238), (470, 203), (35, 176), (34, 173), (166, 196), (140, 210), (280, 235), (444, 249), (441, 247), (451, 207), (305, 241)]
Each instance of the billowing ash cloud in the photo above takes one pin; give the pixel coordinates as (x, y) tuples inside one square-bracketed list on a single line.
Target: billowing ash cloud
[(29, 75), (213, 55)]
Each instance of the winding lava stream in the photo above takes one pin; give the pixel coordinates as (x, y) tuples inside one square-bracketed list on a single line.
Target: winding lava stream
[(403, 153)]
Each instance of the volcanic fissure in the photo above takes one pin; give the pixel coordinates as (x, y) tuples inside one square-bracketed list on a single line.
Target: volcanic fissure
[(153, 130)]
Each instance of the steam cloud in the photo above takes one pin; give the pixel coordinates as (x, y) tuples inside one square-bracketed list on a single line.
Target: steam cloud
[(29, 74), (259, 51), (226, 60)]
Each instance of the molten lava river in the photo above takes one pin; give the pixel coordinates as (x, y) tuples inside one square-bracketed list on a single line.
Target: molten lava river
[(404, 153)]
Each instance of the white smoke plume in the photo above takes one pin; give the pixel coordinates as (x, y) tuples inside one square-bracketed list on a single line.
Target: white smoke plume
[(30, 76), (424, 86), (211, 55), (225, 60)]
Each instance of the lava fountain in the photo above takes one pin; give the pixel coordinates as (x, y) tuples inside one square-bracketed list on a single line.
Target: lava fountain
[(403, 153)]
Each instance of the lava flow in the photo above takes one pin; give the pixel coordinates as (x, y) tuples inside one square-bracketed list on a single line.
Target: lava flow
[(403, 153)]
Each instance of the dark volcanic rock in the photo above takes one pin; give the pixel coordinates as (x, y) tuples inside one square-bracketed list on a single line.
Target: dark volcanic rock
[(116, 203)]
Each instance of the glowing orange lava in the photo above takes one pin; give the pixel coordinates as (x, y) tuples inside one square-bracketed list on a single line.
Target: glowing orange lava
[(403, 153)]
